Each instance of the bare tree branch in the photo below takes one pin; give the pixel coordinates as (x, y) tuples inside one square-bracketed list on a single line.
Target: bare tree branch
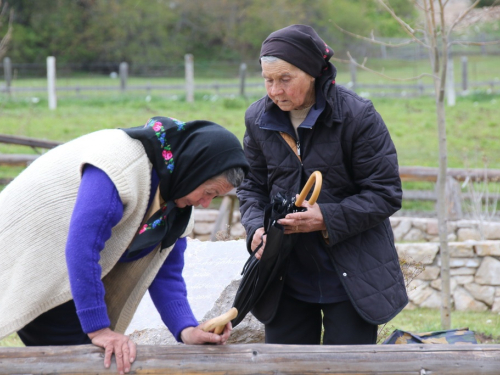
[(6, 38), (444, 59), (462, 15), (407, 28), (362, 66), (373, 40)]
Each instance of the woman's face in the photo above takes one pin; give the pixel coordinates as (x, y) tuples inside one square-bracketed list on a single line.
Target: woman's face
[(204, 193), (288, 86)]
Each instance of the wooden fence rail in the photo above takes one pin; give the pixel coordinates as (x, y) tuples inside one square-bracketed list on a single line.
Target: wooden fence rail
[(25, 141), (414, 359)]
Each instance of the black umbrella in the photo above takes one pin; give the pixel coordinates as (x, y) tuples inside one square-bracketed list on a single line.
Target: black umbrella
[(258, 275)]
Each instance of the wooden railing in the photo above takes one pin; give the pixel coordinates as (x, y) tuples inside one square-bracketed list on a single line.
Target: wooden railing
[(420, 359)]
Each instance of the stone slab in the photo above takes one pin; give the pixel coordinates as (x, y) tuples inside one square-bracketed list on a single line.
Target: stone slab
[(209, 268)]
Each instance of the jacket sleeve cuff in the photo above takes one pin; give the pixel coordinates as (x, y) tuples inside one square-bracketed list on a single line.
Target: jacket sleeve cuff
[(177, 315), (94, 319)]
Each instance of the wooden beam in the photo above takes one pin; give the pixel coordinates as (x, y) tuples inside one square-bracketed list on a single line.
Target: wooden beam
[(262, 359), (5, 181), (17, 159), (25, 141), (430, 174)]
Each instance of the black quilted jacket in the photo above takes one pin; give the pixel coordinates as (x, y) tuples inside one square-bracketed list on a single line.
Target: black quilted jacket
[(351, 146)]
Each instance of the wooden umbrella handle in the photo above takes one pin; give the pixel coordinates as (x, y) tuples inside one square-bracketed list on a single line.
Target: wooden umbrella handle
[(316, 178), (218, 323)]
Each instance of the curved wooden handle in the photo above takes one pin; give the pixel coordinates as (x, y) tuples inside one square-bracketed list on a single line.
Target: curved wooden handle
[(218, 323), (316, 178)]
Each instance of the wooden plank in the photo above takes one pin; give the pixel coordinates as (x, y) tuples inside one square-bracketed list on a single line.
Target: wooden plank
[(430, 174), (262, 359), (25, 141), (17, 159), (5, 181)]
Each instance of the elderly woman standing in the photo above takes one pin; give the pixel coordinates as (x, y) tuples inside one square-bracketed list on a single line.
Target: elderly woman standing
[(89, 226), (343, 272)]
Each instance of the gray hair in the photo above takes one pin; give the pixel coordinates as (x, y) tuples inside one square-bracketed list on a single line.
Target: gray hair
[(270, 59), (234, 176)]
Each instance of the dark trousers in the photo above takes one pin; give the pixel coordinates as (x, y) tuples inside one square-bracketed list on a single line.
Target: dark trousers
[(299, 322), (59, 326)]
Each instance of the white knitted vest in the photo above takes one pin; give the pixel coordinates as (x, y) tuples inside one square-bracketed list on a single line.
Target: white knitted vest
[(35, 211)]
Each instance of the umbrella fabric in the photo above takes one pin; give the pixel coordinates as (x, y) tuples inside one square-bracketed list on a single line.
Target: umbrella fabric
[(258, 275)]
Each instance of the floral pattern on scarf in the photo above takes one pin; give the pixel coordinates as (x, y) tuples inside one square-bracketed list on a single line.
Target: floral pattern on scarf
[(160, 134)]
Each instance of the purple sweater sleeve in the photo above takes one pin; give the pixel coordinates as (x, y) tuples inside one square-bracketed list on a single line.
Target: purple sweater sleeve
[(98, 209), (169, 294)]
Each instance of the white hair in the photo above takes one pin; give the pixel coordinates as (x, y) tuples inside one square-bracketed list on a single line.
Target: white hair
[(270, 59)]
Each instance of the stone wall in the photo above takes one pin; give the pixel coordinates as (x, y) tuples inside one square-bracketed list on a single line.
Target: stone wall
[(474, 258), (474, 262)]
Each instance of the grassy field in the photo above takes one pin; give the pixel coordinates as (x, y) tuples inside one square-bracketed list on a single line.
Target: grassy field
[(472, 125)]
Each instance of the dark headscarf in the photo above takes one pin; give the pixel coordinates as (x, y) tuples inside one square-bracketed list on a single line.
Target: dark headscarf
[(184, 155), (300, 46)]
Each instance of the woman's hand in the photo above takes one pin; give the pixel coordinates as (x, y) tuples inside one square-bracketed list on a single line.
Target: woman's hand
[(113, 342), (259, 237), (304, 222), (196, 336)]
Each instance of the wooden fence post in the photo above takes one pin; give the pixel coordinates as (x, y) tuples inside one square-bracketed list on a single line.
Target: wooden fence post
[(225, 216), (464, 74), (189, 71), (243, 72), (453, 199), (352, 69), (7, 71), (123, 71), (51, 82)]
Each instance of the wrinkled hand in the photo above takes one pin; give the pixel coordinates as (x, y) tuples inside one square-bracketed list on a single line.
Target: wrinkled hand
[(113, 342), (259, 237), (196, 336), (304, 222)]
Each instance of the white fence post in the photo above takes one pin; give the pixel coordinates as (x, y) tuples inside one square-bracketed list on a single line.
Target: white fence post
[(189, 66), (243, 72), (7, 71), (123, 70), (51, 82), (465, 83), (450, 83)]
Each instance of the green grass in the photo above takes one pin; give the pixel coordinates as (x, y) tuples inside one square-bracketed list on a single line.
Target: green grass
[(11, 341), (486, 324), (473, 128)]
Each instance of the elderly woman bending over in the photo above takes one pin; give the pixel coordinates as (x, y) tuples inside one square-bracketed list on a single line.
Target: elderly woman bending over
[(91, 225)]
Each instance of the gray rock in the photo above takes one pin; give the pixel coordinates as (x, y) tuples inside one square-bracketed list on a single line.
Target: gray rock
[(401, 230), (461, 249), (209, 268), (489, 272), (419, 252), (485, 248), (468, 234), (465, 302), (481, 292), (250, 330), (414, 234)]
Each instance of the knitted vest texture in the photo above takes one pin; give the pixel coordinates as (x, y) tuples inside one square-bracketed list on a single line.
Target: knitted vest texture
[(35, 212)]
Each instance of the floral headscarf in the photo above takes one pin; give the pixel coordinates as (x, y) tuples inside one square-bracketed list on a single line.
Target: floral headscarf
[(184, 155)]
